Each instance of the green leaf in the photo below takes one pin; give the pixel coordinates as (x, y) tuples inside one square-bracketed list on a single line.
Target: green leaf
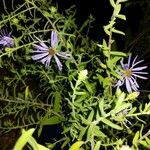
[(118, 76), (33, 143), (99, 133), (89, 86), (97, 145), (136, 137), (40, 130), (101, 107), (117, 31), (23, 139), (122, 107), (91, 115), (112, 3), (117, 9), (85, 121), (109, 123), (82, 132), (123, 17), (117, 53), (57, 101), (80, 93), (76, 145), (51, 121), (120, 100), (67, 140), (145, 144)]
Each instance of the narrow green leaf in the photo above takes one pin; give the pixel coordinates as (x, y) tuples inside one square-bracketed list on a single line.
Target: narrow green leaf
[(91, 115), (85, 121), (76, 145), (122, 107), (123, 17), (120, 100), (80, 93), (51, 121), (112, 3), (118, 76), (67, 140), (23, 139), (33, 143), (99, 133), (89, 86), (40, 130), (109, 123), (136, 137), (117, 53), (117, 9), (97, 145), (145, 144), (57, 102), (117, 31), (101, 107), (82, 132), (41, 147)]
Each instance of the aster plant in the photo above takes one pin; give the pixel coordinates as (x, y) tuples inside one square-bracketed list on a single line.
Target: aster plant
[(6, 39), (130, 73), (44, 54)]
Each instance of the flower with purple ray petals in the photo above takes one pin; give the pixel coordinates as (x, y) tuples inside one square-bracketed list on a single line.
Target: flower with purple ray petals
[(44, 54), (130, 73), (5, 39)]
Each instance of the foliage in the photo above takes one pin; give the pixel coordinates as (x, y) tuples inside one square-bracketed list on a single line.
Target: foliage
[(93, 113)]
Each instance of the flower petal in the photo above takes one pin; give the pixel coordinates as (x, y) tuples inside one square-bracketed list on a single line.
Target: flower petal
[(54, 38), (63, 55), (40, 47), (128, 86), (133, 84), (39, 56), (59, 64), (133, 65), (42, 43), (139, 68), (129, 60), (139, 72), (141, 77)]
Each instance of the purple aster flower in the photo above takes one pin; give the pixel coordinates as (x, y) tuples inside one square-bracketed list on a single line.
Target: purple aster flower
[(130, 73), (5, 39), (44, 54)]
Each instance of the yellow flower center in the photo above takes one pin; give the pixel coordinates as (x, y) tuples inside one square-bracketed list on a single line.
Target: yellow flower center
[(128, 72), (51, 51)]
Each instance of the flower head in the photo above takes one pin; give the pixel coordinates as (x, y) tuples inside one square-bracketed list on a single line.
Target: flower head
[(44, 54), (5, 39), (130, 73)]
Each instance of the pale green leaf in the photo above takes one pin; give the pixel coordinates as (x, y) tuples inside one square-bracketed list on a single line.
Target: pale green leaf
[(57, 102), (117, 9), (117, 31), (123, 17), (23, 139), (136, 137), (117, 53), (120, 100), (97, 145), (111, 124), (51, 121), (76, 145), (112, 3)]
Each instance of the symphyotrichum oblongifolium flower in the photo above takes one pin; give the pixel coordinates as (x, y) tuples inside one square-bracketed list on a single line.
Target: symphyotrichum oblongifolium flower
[(6, 39), (44, 54), (130, 72)]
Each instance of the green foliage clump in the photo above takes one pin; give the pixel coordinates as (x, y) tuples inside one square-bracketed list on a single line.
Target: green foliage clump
[(93, 113)]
